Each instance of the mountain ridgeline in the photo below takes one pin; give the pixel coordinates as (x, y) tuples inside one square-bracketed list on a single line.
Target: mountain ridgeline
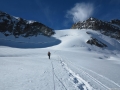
[(10, 25), (111, 28)]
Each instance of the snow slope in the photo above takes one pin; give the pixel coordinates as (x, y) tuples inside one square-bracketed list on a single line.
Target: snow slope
[(74, 64)]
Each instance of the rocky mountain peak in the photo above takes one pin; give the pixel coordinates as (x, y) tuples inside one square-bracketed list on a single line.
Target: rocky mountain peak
[(109, 28), (11, 25)]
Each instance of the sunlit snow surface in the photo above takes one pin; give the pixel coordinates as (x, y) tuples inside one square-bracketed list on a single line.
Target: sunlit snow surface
[(74, 64)]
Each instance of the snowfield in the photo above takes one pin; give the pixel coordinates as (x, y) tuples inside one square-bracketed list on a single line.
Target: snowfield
[(74, 64)]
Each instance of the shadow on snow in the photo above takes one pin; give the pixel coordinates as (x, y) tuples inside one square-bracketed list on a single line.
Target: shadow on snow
[(26, 44)]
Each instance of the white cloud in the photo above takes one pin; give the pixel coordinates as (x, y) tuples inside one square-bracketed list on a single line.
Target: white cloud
[(80, 12)]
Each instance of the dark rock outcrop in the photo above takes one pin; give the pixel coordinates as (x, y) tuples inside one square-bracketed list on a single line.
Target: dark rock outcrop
[(115, 21), (10, 25), (111, 28), (94, 41)]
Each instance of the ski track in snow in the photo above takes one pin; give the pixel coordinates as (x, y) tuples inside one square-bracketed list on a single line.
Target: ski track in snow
[(56, 77), (95, 80), (91, 77), (77, 80)]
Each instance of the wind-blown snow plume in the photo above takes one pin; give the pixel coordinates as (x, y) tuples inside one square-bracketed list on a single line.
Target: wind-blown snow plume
[(80, 12)]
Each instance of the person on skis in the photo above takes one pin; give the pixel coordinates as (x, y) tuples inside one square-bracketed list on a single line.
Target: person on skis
[(49, 54)]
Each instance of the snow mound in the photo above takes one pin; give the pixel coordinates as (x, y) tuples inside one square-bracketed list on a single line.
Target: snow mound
[(77, 39)]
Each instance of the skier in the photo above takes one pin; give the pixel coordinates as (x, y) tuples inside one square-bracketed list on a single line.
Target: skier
[(49, 54)]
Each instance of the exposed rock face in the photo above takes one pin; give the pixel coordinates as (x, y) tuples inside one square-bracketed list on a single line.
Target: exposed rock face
[(94, 41), (10, 25), (111, 28), (116, 21)]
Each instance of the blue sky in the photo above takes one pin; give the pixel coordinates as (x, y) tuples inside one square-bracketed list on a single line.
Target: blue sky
[(61, 14)]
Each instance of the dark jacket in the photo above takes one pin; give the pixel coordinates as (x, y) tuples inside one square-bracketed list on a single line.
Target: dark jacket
[(49, 53)]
